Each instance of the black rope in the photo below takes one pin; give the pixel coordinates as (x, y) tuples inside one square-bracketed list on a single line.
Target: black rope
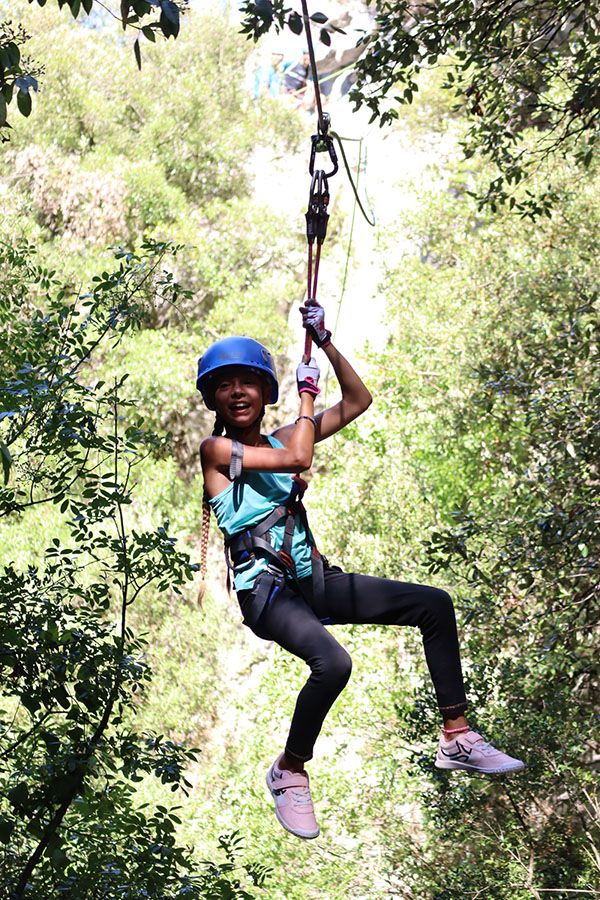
[(323, 126), (313, 66)]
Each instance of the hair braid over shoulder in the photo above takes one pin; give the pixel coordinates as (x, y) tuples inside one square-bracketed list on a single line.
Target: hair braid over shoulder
[(218, 429)]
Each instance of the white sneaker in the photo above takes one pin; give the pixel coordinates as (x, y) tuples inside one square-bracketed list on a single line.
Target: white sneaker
[(470, 752)]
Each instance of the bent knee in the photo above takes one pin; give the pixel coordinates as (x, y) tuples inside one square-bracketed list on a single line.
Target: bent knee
[(335, 669), (438, 605)]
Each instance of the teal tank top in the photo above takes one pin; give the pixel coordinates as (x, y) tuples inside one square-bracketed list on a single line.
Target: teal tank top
[(248, 501)]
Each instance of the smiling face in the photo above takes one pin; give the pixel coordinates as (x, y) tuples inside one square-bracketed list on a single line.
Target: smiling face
[(240, 395)]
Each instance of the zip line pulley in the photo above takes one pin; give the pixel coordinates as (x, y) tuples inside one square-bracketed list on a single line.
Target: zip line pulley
[(317, 215)]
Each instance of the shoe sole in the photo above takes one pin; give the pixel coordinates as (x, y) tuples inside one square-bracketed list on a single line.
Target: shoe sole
[(307, 835), (500, 770)]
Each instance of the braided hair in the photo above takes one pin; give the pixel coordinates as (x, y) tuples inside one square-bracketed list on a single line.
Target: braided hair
[(218, 429)]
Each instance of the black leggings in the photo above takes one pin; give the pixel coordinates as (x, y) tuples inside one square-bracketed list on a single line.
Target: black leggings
[(358, 599)]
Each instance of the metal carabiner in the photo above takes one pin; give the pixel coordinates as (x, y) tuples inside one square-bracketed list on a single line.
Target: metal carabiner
[(323, 143)]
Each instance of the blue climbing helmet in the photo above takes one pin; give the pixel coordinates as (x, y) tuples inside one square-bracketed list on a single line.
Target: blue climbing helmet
[(235, 351)]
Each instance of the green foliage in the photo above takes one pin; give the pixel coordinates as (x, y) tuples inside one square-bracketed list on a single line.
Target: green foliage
[(260, 15), (106, 161), (18, 75), (22, 74), (501, 429), (526, 75), (474, 469), (73, 670)]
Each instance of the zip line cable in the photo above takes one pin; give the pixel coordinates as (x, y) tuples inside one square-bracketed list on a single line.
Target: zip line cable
[(317, 215), (313, 66)]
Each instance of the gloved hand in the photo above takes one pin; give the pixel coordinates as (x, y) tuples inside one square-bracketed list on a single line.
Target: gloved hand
[(307, 376), (313, 319)]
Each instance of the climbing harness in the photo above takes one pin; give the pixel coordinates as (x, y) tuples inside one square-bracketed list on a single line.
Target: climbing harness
[(244, 545)]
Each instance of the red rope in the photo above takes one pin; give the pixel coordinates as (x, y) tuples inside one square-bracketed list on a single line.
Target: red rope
[(308, 339), (316, 275)]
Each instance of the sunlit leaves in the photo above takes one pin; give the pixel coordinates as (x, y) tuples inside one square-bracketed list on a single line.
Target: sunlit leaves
[(13, 75), (132, 14), (525, 75), (259, 15), (72, 671)]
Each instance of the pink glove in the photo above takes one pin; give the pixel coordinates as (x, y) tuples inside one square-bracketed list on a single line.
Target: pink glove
[(313, 319), (307, 376)]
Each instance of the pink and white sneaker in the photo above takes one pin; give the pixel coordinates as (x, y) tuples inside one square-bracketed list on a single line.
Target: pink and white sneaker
[(293, 803), (470, 752)]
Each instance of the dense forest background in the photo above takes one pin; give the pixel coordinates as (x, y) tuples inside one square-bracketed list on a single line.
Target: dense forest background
[(135, 727)]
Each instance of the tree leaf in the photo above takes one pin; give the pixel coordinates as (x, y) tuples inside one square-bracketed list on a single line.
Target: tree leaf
[(6, 830), (125, 6), (14, 54), (169, 19), (325, 37), (137, 53), (295, 23), (264, 9), (24, 103), (319, 17), (171, 11), (19, 794)]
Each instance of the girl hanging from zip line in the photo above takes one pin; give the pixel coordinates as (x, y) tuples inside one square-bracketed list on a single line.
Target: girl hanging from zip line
[(287, 591)]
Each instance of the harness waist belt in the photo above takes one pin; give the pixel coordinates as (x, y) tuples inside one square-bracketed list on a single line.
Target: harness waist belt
[(244, 545)]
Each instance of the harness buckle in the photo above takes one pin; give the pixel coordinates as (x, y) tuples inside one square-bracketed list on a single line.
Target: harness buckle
[(288, 560)]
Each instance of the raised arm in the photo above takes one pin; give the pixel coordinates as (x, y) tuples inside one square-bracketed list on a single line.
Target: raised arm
[(355, 396)]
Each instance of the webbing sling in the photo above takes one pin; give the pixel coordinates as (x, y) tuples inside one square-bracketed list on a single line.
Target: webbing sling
[(242, 546), (237, 456)]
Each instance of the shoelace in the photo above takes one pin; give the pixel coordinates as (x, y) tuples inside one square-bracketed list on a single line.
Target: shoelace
[(483, 746), (486, 748), (302, 797)]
